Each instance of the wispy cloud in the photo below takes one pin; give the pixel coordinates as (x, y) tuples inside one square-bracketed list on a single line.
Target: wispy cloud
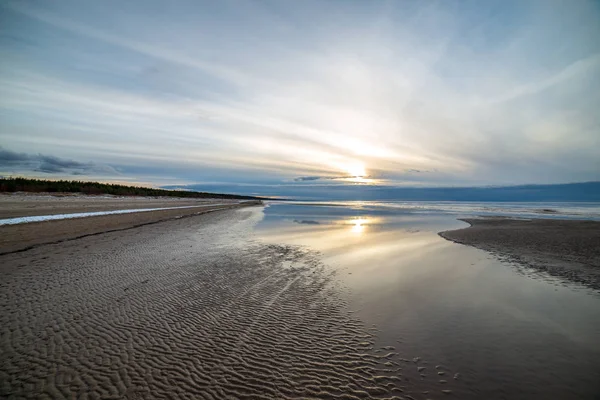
[(305, 91)]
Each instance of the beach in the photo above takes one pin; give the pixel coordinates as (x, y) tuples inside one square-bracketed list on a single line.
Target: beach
[(568, 249), (241, 301), (290, 200), (182, 308), (23, 236), (31, 204)]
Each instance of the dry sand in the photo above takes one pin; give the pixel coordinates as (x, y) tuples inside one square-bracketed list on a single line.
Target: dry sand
[(27, 204), (564, 248), (190, 308), (21, 237)]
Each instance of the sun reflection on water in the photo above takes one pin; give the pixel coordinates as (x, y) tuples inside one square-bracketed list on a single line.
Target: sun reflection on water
[(358, 224)]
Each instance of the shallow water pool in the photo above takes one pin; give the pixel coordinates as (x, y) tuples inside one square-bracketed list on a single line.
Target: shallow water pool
[(508, 331)]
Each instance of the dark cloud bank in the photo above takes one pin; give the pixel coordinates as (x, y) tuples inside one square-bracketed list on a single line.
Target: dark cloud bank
[(48, 164)]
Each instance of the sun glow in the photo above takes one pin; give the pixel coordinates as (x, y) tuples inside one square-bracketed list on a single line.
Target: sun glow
[(356, 170), (357, 173)]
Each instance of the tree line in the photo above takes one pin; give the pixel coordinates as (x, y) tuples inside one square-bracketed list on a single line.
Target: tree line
[(97, 188)]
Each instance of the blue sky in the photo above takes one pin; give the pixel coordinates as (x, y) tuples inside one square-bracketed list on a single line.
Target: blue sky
[(417, 93)]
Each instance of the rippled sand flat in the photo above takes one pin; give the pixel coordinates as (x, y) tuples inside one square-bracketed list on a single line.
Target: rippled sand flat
[(188, 308)]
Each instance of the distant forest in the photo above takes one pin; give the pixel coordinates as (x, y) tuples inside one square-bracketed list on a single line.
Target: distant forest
[(97, 188)]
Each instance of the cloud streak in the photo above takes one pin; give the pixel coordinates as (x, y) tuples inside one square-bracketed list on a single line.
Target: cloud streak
[(469, 92)]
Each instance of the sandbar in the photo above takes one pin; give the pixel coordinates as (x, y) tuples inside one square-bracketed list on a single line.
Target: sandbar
[(568, 249)]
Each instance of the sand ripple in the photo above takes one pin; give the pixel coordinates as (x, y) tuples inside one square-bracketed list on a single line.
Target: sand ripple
[(181, 310)]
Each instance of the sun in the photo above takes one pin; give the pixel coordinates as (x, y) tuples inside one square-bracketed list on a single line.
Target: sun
[(356, 170)]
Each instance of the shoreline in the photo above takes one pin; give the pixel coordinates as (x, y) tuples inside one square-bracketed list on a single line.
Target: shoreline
[(25, 236), (204, 307), (567, 249)]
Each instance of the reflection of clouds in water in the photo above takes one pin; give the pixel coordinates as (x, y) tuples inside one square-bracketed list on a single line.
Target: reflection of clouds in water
[(355, 236), (405, 278), (358, 228), (360, 242), (358, 223)]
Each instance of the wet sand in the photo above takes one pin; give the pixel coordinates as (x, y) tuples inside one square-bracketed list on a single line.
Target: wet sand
[(184, 308), (564, 248)]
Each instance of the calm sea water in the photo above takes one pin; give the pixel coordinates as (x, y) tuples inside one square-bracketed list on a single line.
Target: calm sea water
[(510, 332)]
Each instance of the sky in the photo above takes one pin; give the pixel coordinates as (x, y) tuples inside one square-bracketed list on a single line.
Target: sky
[(301, 93)]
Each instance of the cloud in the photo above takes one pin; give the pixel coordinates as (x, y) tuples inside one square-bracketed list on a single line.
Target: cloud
[(307, 178), (306, 222), (469, 92), (8, 157), (54, 164), (48, 164), (349, 178), (49, 168)]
